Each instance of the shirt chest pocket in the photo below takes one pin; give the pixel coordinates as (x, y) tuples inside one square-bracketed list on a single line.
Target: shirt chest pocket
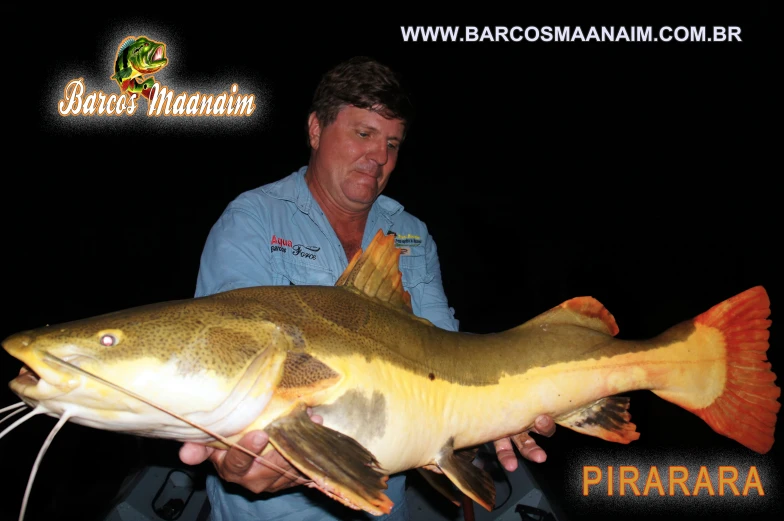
[(290, 271), (414, 270)]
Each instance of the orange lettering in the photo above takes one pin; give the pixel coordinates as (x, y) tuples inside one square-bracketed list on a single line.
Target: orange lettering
[(630, 481), (680, 481), (653, 481), (609, 481), (730, 482), (703, 481), (591, 481), (753, 480)]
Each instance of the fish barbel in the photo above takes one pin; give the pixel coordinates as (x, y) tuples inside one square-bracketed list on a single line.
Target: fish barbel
[(394, 391)]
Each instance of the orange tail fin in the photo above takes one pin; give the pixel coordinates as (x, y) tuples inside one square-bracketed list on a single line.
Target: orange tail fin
[(746, 410)]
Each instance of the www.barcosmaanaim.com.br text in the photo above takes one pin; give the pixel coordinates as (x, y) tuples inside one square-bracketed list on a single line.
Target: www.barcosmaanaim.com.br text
[(457, 33)]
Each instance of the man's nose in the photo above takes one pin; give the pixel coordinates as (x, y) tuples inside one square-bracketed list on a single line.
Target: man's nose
[(379, 153)]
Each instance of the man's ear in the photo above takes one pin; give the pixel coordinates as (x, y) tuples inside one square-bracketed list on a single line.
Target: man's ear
[(314, 131)]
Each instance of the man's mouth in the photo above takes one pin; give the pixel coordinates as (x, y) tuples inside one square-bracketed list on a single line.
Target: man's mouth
[(372, 173)]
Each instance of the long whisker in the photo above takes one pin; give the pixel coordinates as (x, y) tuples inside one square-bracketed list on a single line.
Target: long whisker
[(47, 442), (12, 406), (21, 420), (9, 415), (215, 435)]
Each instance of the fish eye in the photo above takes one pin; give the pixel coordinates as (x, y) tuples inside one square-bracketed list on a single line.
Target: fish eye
[(108, 340)]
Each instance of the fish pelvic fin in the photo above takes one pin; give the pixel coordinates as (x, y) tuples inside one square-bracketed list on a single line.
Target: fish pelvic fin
[(339, 466), (470, 479), (375, 273), (746, 409), (580, 311), (607, 418), (440, 482)]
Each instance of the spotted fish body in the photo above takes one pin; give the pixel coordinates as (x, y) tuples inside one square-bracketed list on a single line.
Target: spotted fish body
[(137, 57), (395, 392)]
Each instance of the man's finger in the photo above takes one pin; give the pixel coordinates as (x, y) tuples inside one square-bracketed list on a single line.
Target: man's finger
[(528, 448), (506, 455), (236, 462), (544, 425), (193, 453)]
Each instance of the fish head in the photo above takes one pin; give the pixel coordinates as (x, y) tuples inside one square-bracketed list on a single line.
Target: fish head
[(130, 370), (147, 56)]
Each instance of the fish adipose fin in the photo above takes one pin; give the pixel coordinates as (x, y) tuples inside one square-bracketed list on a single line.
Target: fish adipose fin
[(580, 311), (339, 466), (608, 419), (746, 408), (470, 479), (375, 274)]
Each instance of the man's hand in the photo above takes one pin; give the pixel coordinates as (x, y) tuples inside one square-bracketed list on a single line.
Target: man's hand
[(235, 466), (527, 446)]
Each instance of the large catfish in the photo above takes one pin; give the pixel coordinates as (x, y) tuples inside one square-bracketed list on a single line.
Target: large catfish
[(394, 391)]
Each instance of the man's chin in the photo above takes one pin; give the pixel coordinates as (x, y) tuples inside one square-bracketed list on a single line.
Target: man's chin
[(361, 194), (361, 202)]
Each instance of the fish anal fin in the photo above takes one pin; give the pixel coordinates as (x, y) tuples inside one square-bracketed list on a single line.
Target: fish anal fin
[(470, 479), (375, 274), (339, 466), (607, 418), (580, 311)]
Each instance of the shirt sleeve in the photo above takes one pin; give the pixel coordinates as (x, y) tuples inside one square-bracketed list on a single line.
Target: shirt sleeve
[(434, 306), (235, 254)]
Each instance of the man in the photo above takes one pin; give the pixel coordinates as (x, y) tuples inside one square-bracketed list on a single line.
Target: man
[(304, 229)]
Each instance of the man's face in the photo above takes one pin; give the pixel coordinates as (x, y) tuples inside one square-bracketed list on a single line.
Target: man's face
[(354, 155)]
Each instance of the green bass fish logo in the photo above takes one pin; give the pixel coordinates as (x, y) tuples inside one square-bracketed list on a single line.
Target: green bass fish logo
[(137, 59)]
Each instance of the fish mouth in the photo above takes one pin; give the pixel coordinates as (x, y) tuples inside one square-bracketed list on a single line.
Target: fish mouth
[(31, 388), (34, 385), (154, 60), (27, 376)]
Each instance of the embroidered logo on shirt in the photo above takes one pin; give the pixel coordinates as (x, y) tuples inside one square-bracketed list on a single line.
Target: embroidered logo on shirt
[(307, 252), (279, 244), (405, 242)]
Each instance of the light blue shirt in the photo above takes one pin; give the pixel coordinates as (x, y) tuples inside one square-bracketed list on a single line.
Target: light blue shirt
[(278, 235)]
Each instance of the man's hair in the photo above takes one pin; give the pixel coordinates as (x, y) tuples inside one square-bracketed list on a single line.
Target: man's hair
[(364, 83)]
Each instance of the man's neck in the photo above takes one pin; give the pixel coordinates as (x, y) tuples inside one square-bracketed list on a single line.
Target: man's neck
[(348, 225)]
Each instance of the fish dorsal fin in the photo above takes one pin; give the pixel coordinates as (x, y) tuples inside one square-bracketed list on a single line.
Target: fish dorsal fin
[(375, 274), (580, 311)]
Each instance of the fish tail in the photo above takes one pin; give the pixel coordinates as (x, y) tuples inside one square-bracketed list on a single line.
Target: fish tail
[(744, 405)]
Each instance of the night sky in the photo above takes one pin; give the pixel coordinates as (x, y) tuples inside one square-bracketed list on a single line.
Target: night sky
[(637, 173)]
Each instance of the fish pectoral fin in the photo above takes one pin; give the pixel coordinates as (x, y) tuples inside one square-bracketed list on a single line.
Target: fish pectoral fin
[(607, 418), (339, 466), (470, 479)]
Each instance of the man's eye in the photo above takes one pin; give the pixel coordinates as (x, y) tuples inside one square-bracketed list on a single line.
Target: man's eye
[(362, 134), (392, 146)]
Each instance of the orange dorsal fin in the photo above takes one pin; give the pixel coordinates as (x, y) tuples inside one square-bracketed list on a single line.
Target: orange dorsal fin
[(580, 311), (375, 274)]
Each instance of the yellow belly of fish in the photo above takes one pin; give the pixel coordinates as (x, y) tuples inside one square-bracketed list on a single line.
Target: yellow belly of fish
[(421, 415)]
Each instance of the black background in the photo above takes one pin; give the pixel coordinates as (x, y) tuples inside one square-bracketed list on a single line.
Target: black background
[(641, 174)]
